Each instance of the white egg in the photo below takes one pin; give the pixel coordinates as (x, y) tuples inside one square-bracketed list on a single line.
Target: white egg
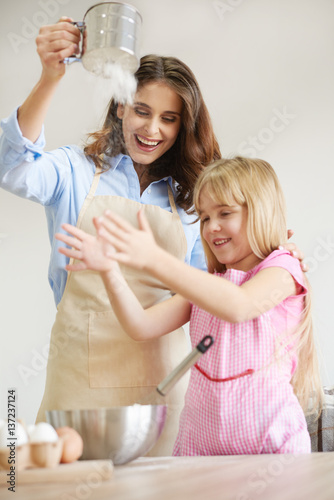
[(20, 434), (30, 429), (43, 433)]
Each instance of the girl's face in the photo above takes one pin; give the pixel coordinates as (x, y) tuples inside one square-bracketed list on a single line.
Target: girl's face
[(224, 228), (151, 125)]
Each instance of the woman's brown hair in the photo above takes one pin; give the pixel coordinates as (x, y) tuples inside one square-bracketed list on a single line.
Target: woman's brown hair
[(196, 145)]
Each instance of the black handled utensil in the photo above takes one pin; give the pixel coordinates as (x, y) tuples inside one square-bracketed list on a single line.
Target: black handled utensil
[(168, 383)]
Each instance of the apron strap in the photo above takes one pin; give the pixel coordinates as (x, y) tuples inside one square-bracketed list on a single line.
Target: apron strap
[(90, 194), (171, 199), (93, 188)]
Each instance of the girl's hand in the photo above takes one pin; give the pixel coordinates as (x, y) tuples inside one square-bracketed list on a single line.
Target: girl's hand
[(90, 250), (295, 251), (134, 247), (54, 43)]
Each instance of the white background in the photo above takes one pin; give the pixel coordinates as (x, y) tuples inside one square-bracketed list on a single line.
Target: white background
[(255, 60)]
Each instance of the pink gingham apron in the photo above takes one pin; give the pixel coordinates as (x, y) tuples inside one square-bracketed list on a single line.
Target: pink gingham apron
[(239, 399)]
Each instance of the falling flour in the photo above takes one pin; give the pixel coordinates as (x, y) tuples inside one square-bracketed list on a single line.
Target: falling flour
[(123, 84), (113, 80)]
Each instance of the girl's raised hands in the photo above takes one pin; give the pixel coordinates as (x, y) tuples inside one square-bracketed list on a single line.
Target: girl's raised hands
[(134, 247), (92, 252)]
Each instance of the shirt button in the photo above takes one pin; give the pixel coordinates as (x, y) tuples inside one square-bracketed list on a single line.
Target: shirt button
[(149, 191)]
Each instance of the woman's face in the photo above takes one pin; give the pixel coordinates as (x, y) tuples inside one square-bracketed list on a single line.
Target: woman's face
[(151, 125)]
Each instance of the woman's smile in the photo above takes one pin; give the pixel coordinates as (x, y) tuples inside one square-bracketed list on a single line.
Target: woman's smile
[(146, 144)]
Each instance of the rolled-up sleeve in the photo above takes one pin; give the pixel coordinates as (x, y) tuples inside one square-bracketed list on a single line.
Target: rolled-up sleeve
[(26, 169), (14, 148)]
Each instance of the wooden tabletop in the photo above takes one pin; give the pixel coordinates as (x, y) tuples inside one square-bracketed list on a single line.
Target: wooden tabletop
[(257, 477)]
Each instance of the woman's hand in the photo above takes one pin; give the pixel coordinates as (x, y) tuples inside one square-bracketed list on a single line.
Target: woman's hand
[(91, 251), (295, 251), (54, 43), (134, 247)]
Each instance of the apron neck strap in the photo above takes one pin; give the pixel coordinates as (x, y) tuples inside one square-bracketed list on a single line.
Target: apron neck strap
[(171, 199), (98, 172), (96, 179), (90, 195)]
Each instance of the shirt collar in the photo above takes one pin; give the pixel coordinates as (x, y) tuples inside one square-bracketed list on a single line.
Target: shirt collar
[(115, 161)]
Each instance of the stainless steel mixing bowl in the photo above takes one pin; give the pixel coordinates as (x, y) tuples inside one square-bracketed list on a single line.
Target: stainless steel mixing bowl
[(124, 433), (120, 433)]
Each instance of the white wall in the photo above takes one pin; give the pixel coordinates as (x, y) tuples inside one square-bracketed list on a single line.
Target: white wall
[(256, 60)]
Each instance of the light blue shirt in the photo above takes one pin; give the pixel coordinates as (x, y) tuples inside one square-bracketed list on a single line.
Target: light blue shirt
[(60, 180)]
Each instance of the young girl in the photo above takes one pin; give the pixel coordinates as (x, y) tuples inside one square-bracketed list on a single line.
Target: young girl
[(242, 396)]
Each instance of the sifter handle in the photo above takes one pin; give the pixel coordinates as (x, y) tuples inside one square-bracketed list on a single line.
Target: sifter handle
[(74, 58)]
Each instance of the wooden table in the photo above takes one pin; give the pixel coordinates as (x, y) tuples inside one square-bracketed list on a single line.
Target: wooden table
[(257, 477)]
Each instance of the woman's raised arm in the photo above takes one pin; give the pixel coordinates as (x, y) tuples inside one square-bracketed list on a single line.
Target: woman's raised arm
[(54, 43)]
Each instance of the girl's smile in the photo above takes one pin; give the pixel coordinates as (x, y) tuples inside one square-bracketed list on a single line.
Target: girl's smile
[(220, 242), (151, 125)]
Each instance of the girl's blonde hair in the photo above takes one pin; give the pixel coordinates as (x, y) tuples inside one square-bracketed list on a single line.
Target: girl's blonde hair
[(253, 183)]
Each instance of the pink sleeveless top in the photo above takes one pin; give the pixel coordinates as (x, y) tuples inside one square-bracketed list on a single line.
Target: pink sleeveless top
[(248, 406)]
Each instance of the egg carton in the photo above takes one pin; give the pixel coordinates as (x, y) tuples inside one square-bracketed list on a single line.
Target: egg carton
[(31, 455)]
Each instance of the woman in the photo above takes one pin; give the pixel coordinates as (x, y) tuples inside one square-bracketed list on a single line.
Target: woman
[(148, 154)]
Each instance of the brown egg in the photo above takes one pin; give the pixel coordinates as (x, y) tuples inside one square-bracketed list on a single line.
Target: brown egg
[(73, 444)]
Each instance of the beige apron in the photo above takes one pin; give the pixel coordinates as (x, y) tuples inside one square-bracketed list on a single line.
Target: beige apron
[(92, 361)]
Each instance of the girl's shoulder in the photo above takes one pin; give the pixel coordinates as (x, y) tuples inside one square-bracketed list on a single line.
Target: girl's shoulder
[(283, 259)]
